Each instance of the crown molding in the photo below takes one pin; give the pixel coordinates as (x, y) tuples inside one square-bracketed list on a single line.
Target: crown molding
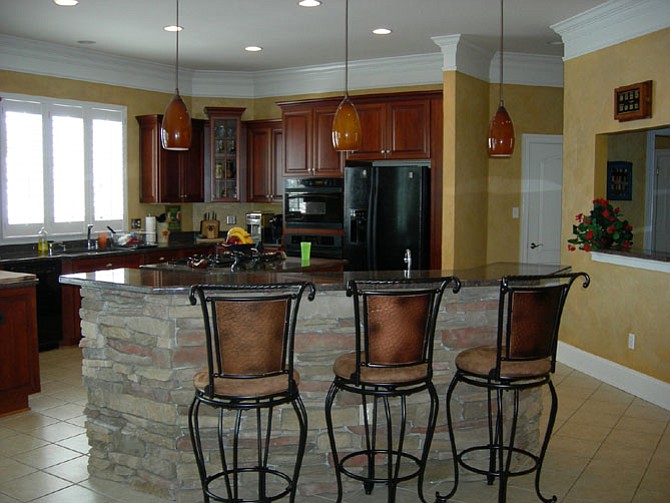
[(460, 54), (611, 23), (41, 58)]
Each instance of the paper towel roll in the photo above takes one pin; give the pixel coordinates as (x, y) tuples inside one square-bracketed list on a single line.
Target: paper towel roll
[(150, 228)]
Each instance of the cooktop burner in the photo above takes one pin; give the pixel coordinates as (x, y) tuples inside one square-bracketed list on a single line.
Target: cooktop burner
[(235, 260)]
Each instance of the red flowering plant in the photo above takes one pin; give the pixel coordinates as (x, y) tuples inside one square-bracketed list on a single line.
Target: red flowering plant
[(601, 229)]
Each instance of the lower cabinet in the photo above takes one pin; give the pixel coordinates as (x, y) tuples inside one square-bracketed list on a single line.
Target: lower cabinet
[(19, 362)]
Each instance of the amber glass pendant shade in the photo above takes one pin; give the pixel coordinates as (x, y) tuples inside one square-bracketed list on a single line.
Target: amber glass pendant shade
[(176, 125), (346, 127), (501, 134)]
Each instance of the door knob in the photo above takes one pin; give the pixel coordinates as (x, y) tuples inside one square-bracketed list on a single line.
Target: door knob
[(533, 246)]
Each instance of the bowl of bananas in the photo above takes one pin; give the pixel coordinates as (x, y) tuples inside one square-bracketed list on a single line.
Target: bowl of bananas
[(239, 240)]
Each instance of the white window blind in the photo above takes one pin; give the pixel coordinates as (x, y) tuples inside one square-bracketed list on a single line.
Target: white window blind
[(63, 165)]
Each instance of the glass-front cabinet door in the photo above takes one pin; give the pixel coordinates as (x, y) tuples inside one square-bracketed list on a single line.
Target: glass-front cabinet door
[(226, 151)]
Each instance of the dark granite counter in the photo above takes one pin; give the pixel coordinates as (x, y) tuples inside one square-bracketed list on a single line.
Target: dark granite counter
[(168, 278)]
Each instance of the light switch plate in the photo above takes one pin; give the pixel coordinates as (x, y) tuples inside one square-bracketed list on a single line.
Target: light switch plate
[(231, 220)]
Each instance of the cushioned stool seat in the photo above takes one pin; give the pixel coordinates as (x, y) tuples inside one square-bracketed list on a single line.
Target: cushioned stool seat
[(394, 329), (524, 357), (249, 332)]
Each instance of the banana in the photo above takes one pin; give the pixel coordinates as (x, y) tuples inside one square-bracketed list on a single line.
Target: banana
[(240, 234)]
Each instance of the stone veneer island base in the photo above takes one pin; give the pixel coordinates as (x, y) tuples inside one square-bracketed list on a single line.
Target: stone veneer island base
[(143, 342)]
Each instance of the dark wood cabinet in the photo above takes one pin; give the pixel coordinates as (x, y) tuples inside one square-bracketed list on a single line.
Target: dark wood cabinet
[(170, 176), (227, 152), (265, 160), (307, 138), (19, 362), (394, 129)]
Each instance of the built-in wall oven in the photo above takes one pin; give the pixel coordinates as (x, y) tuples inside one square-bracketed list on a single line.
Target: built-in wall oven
[(313, 212)]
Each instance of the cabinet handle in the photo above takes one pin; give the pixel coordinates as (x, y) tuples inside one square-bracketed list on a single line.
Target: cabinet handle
[(109, 265)]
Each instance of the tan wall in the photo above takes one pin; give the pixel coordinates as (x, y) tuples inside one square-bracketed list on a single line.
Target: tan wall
[(534, 110), (620, 299)]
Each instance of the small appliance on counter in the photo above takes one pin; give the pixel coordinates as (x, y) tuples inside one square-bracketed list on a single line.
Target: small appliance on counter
[(258, 225), (209, 226)]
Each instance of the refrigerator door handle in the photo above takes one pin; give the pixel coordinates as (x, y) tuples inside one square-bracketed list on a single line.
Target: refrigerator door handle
[(373, 205)]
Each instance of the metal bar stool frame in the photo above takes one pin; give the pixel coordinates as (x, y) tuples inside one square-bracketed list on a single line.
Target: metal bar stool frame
[(379, 380), (515, 365), (265, 389)]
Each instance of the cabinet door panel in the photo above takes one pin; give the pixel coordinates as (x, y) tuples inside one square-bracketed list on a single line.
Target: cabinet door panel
[(408, 130), (278, 163), (258, 163), (327, 160), (372, 117), (169, 176), (191, 174), (297, 128)]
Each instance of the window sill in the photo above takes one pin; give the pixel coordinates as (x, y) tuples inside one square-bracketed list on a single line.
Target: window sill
[(636, 260)]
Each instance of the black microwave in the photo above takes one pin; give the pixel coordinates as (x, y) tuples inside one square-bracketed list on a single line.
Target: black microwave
[(313, 203)]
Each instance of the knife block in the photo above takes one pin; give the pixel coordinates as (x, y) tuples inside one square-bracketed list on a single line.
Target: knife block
[(209, 229)]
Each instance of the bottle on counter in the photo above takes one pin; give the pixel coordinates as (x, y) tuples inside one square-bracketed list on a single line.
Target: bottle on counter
[(42, 242)]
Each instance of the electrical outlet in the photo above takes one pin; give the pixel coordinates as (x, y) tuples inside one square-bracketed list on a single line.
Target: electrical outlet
[(231, 220), (631, 341)]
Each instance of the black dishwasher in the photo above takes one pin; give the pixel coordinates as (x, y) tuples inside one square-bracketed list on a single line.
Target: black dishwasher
[(49, 308)]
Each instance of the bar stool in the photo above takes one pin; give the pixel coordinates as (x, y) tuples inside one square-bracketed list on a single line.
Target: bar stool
[(524, 357), (249, 331), (394, 332)]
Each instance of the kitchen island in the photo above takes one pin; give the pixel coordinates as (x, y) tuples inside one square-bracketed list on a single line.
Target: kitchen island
[(143, 342)]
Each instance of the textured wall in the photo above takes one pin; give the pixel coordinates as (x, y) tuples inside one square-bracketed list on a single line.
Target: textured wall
[(620, 299)]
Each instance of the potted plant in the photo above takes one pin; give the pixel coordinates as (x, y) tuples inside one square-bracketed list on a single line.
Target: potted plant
[(603, 228)]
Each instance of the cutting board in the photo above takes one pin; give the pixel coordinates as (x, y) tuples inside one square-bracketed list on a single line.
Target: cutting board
[(210, 240)]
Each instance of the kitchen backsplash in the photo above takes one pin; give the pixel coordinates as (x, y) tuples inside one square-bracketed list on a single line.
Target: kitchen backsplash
[(238, 210)]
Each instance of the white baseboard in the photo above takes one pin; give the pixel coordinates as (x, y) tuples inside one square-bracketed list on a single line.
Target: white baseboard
[(628, 380)]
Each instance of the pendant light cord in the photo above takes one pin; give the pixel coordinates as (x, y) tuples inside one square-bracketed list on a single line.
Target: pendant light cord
[(501, 51), (176, 64), (346, 48)]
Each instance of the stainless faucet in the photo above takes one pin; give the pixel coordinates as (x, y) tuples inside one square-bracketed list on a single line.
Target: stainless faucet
[(90, 244)]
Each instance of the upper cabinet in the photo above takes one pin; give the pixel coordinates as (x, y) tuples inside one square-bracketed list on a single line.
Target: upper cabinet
[(307, 138), (265, 160), (170, 176), (394, 127), (227, 153)]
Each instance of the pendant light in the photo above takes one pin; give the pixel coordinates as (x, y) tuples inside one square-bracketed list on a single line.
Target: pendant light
[(501, 130), (346, 124), (176, 124)]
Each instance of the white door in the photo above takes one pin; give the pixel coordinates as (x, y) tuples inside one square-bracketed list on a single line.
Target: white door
[(542, 184), (661, 228)]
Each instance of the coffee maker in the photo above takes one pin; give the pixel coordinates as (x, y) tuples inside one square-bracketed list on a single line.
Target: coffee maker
[(258, 226)]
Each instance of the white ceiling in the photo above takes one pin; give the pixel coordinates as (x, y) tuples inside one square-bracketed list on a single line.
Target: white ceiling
[(216, 31)]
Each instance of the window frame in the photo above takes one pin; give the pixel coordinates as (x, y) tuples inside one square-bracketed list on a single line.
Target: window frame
[(88, 111)]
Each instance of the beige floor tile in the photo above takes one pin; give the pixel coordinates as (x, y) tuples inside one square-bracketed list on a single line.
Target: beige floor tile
[(656, 479), (6, 432), (574, 429), (73, 393), (647, 496), (645, 410), (10, 469), (595, 418), (642, 425), (610, 394), (117, 491), (58, 431), (638, 440), (623, 455), (77, 494), (65, 412), (78, 421), (18, 443), (33, 486), (6, 499), (42, 402), (74, 470), (78, 443), (27, 421), (579, 447), (48, 455)]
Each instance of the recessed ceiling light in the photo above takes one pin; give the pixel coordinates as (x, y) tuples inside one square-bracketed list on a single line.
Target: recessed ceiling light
[(86, 42), (253, 48), (66, 3), (173, 27), (309, 3), (381, 31)]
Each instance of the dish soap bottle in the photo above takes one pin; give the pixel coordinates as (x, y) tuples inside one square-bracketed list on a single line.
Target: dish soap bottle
[(42, 243)]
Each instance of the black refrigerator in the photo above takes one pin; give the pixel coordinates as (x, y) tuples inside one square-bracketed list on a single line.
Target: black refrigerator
[(386, 212)]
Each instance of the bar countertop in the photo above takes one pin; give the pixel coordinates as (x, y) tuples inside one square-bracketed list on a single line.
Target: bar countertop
[(168, 279)]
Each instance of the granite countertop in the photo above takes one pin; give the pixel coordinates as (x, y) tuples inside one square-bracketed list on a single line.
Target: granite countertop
[(15, 279), (167, 279)]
